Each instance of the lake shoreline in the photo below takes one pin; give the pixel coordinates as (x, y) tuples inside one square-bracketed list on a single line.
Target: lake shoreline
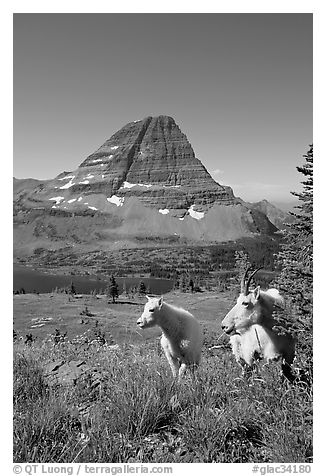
[(43, 280)]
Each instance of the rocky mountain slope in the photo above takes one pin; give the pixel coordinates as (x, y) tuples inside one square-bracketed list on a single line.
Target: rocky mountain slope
[(143, 184), (278, 217)]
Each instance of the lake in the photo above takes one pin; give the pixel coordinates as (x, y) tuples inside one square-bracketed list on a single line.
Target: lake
[(32, 280)]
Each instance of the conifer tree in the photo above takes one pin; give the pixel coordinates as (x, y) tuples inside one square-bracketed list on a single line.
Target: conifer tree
[(113, 289), (142, 288), (191, 285), (296, 263), (72, 289)]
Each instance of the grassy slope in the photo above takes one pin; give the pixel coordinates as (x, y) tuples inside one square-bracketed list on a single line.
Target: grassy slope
[(118, 319), (137, 413)]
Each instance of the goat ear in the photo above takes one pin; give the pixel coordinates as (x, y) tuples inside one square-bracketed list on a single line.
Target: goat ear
[(160, 302), (256, 292), (148, 298)]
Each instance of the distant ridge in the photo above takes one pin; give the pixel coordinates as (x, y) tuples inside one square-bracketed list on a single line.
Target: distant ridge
[(278, 217)]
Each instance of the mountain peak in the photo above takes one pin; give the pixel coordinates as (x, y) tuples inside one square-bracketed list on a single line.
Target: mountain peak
[(153, 152), (145, 180)]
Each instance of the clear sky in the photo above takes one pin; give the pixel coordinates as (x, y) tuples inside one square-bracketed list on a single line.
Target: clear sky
[(238, 85)]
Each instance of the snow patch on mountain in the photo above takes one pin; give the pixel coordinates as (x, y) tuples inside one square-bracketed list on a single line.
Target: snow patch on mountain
[(118, 201), (128, 185), (67, 177), (57, 199), (131, 185), (69, 184), (194, 214)]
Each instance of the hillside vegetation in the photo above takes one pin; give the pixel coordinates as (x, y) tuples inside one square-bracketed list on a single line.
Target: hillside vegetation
[(160, 261)]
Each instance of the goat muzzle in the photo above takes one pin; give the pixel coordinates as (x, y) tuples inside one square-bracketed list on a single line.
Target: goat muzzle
[(229, 330)]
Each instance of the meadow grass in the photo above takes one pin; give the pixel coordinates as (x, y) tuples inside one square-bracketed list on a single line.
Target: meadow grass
[(137, 413)]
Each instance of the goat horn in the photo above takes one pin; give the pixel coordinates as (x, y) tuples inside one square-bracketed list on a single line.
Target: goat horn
[(250, 278), (243, 281)]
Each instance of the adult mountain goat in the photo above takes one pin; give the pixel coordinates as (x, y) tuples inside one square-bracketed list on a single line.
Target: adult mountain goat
[(250, 327), (182, 337)]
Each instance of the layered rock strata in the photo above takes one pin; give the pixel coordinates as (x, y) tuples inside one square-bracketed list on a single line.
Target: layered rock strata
[(150, 159), (148, 178)]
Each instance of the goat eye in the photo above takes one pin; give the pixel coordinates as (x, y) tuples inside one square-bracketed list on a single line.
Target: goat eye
[(245, 303), (151, 310)]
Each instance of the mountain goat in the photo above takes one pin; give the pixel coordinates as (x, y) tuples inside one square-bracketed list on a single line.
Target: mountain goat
[(182, 337), (250, 327)]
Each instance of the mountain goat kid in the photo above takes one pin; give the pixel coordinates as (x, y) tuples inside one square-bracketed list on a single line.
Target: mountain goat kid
[(182, 336), (250, 327)]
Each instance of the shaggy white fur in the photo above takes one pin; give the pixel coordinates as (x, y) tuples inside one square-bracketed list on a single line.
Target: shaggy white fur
[(182, 336), (250, 326)]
